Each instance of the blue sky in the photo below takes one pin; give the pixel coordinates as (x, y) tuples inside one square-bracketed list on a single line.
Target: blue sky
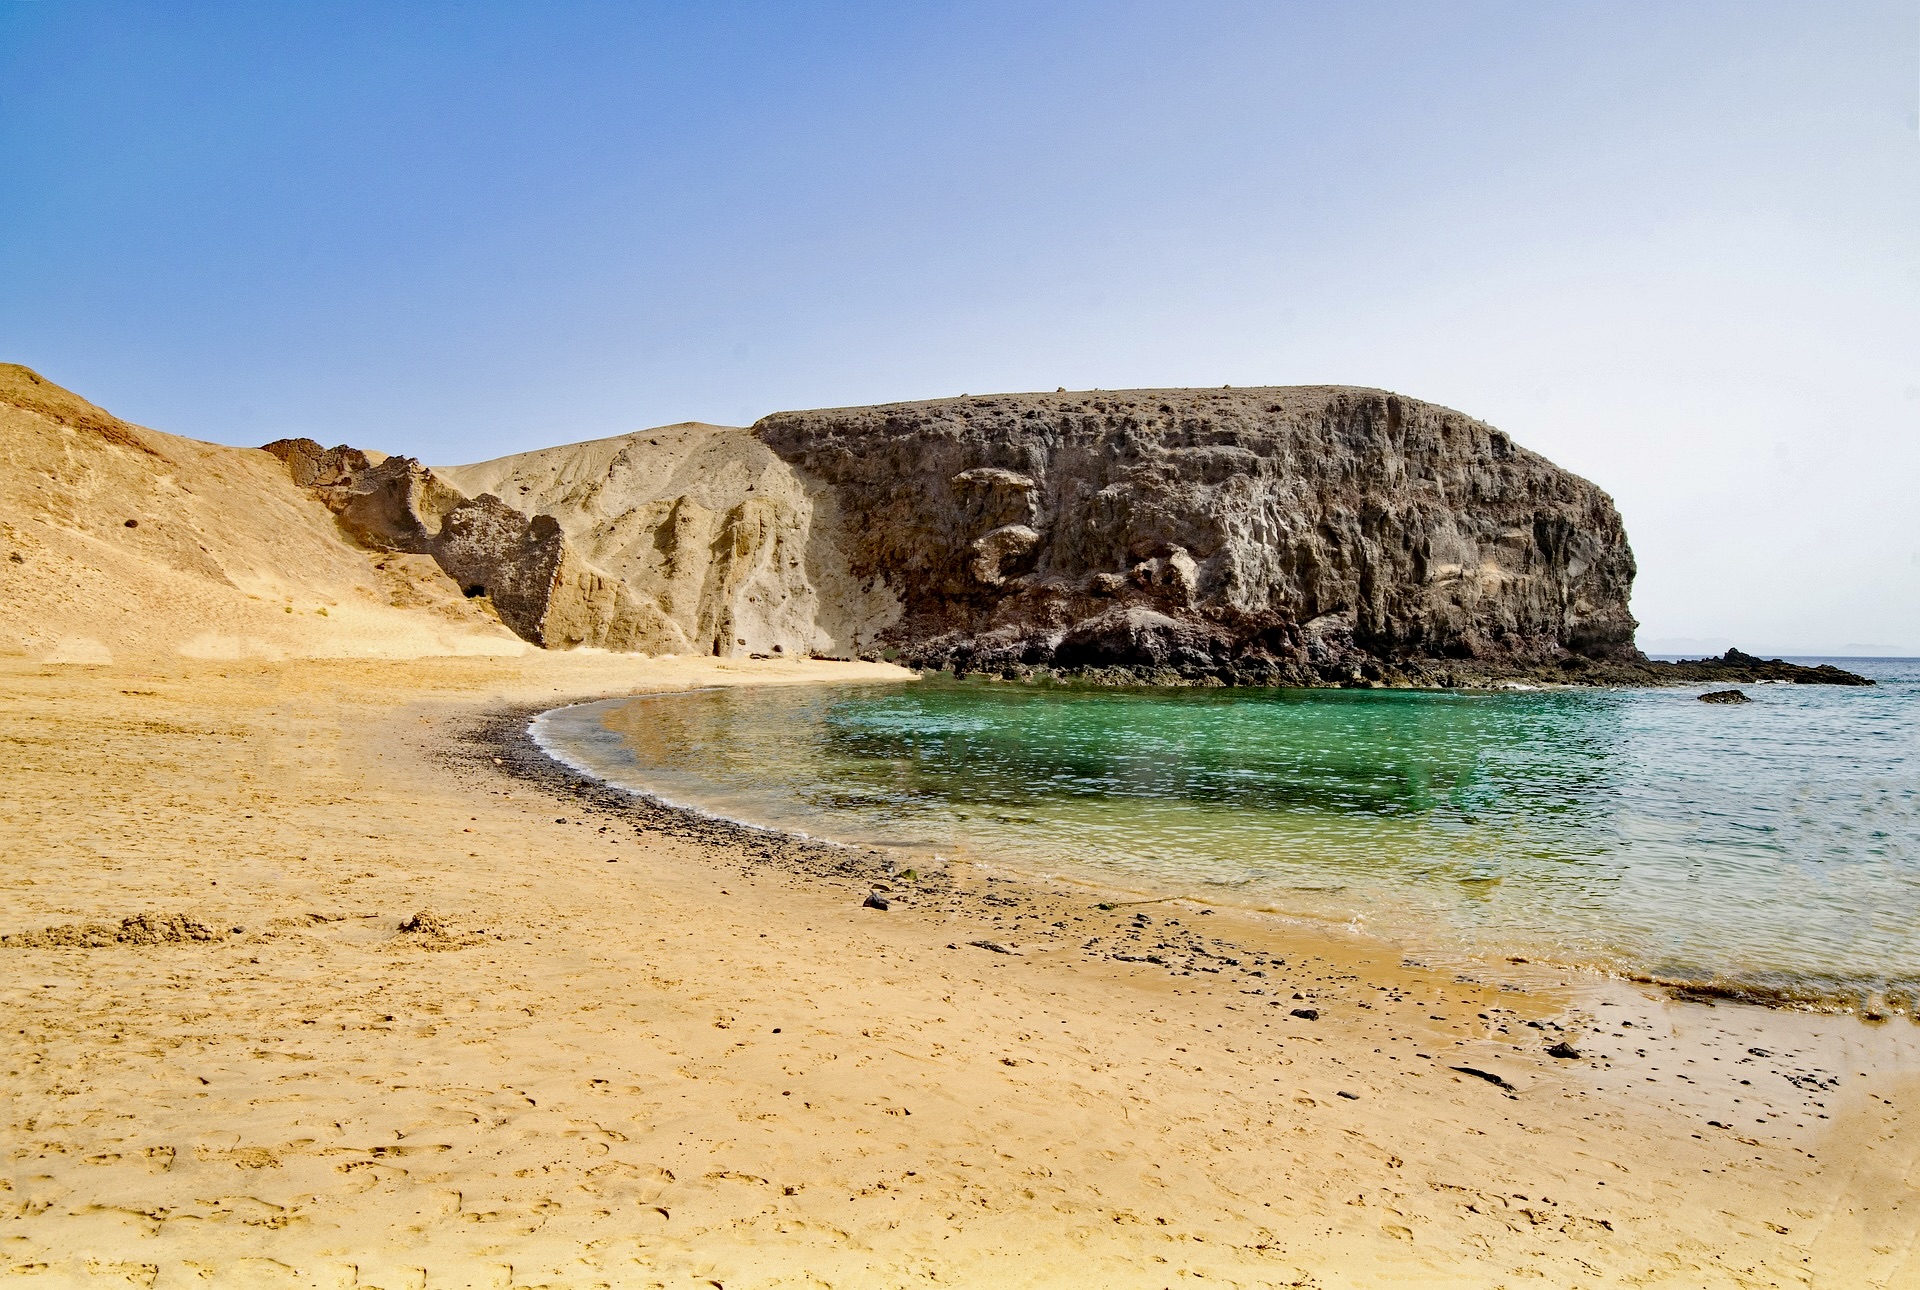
[(1675, 247)]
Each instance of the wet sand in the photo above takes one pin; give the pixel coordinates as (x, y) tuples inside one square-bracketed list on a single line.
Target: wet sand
[(626, 1046)]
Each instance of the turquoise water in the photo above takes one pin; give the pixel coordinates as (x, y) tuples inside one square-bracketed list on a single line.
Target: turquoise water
[(1772, 848)]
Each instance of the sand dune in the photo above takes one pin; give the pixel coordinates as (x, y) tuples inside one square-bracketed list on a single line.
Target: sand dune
[(124, 542)]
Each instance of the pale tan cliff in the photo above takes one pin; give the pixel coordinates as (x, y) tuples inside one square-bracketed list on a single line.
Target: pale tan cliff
[(688, 538), (120, 541)]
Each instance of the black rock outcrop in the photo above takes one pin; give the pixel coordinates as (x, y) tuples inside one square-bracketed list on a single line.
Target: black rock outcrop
[(1737, 665), (488, 547)]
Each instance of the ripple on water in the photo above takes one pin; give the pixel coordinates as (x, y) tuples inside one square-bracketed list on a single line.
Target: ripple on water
[(1768, 850)]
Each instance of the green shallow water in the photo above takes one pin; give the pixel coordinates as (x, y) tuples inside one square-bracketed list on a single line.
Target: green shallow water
[(1771, 848)]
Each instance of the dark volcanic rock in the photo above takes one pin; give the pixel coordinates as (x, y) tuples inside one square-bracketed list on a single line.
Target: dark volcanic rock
[(1724, 696), (1270, 535), (1737, 666)]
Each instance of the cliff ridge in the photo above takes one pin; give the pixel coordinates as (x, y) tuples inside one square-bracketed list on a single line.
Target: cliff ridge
[(1308, 534)]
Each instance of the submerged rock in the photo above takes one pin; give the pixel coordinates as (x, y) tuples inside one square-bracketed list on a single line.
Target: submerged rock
[(1724, 696)]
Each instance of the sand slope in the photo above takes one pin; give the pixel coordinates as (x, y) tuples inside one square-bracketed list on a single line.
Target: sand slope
[(224, 556)]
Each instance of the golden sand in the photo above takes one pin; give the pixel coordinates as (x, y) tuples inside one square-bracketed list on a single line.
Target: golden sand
[(615, 1055)]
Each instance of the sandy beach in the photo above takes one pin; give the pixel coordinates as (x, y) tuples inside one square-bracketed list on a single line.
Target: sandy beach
[(412, 1006)]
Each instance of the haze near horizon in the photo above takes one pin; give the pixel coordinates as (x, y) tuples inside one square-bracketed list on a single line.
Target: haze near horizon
[(1675, 249)]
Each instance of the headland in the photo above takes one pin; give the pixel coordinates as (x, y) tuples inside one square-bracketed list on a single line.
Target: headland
[(318, 973)]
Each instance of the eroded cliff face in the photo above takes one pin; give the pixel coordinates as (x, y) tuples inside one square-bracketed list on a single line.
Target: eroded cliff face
[(685, 539), (690, 538), (1304, 535), (1299, 533), (1308, 535)]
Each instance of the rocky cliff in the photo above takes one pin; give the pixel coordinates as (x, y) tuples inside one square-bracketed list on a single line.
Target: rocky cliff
[(715, 544), (1304, 533), (685, 539)]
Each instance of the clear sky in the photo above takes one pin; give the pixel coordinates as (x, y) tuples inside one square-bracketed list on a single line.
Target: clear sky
[(1675, 247)]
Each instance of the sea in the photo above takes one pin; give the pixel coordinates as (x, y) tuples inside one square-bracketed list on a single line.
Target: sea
[(1767, 850)]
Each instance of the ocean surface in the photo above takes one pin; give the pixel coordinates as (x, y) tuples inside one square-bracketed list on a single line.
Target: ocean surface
[(1770, 849)]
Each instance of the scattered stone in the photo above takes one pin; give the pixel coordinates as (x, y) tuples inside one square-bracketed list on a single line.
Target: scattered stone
[(1488, 1076), (1724, 696), (1306, 1014), (1351, 1097), (995, 946), (1563, 1050), (875, 900)]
